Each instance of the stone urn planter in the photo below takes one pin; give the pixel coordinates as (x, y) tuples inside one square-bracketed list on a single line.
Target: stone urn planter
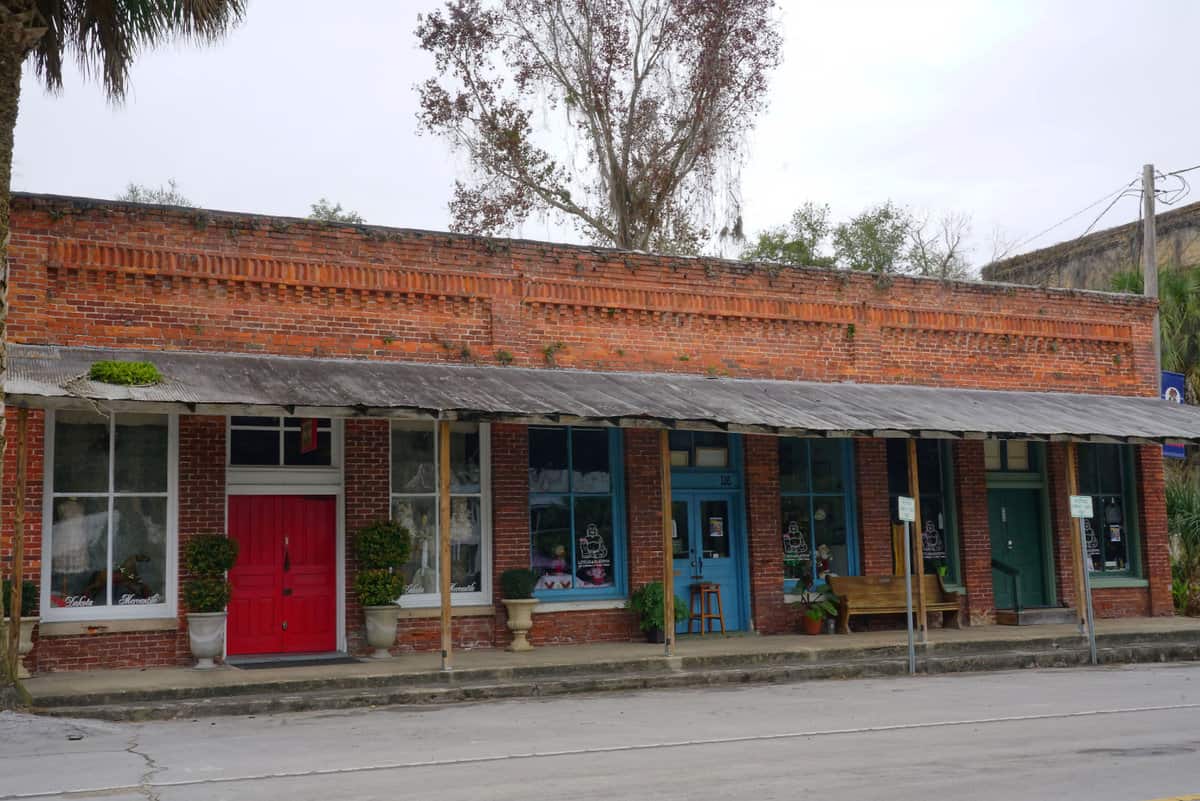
[(381, 629), (206, 635), (24, 643), (520, 621)]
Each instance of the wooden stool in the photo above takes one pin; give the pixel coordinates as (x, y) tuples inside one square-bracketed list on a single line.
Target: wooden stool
[(705, 592)]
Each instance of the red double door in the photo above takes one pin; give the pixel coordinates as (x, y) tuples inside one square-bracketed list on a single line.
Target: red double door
[(285, 581)]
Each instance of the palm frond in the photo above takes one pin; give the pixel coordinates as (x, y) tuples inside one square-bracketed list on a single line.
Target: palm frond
[(106, 35)]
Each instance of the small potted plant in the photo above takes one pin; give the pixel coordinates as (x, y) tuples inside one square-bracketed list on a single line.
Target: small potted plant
[(817, 605), (647, 602), (29, 619), (383, 548), (516, 588), (208, 558)]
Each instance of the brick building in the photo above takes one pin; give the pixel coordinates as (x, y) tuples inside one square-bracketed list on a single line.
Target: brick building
[(306, 364)]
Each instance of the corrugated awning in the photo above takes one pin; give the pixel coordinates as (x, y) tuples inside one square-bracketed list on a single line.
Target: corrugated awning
[(221, 383)]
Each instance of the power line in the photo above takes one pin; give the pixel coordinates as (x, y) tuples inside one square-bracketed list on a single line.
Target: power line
[(1107, 208), (1118, 191)]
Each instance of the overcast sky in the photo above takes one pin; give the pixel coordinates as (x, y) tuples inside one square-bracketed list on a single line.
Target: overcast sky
[(1017, 113)]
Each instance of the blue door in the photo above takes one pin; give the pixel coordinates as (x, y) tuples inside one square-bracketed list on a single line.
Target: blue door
[(706, 545)]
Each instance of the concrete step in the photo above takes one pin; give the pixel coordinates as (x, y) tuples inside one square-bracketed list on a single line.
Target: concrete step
[(1049, 616), (667, 675)]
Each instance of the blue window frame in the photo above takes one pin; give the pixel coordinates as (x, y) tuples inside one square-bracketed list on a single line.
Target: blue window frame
[(820, 524), (576, 513)]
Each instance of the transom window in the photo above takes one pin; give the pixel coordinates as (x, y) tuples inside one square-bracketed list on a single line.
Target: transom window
[(939, 535), (1104, 475), (699, 449), (818, 531), (1009, 456), (280, 442), (109, 527), (575, 513), (415, 470)]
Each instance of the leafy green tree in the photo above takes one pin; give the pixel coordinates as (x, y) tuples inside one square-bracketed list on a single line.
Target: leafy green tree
[(1183, 525), (333, 212), (168, 195), (1179, 312), (802, 242), (104, 38), (874, 241)]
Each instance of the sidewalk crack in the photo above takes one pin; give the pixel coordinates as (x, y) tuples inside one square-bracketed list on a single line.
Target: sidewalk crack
[(151, 767)]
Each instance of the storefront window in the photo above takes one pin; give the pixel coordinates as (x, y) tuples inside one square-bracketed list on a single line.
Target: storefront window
[(816, 515), (1104, 475), (575, 522), (939, 537), (108, 539), (415, 506)]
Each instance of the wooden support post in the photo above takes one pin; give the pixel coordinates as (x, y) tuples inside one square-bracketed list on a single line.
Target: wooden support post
[(1078, 557), (918, 547), (443, 452), (18, 553), (664, 456)]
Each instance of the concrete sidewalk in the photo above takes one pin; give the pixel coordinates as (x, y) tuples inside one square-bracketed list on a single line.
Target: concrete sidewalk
[(487, 673)]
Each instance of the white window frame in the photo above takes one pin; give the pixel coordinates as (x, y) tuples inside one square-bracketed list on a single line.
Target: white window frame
[(168, 609), (484, 595)]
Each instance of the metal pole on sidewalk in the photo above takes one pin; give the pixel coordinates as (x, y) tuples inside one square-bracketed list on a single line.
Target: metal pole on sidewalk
[(1087, 593), (908, 597)]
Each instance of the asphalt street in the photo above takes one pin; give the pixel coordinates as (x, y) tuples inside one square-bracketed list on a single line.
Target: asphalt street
[(1115, 733)]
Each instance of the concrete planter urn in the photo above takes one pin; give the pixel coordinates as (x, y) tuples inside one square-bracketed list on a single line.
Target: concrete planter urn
[(206, 635), (24, 642), (520, 621), (381, 629)]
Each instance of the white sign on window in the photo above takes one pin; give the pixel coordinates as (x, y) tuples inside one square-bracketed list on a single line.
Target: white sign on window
[(908, 508), (1081, 506)]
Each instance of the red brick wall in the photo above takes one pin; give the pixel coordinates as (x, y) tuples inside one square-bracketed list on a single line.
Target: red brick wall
[(31, 563), (1062, 529), (1152, 523), (770, 615), (974, 535), (103, 273), (643, 500), (366, 478), (874, 507), (510, 512)]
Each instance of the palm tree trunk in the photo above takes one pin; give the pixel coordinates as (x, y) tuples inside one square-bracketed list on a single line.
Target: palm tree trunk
[(12, 54)]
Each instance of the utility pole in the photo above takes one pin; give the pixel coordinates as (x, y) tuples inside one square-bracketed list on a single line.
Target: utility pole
[(1149, 257)]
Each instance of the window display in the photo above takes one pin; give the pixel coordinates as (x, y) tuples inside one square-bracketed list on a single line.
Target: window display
[(817, 535), (415, 506), (937, 529), (572, 511), (1103, 474), (108, 531)]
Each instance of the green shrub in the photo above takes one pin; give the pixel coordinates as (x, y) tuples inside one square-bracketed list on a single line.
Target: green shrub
[(206, 594), (210, 555), (647, 602), (517, 584), (29, 598), (378, 587), (125, 373), (383, 545), (1183, 525)]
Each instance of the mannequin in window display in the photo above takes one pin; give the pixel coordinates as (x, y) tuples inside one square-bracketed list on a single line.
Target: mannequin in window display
[(464, 545), (556, 577), (70, 557)]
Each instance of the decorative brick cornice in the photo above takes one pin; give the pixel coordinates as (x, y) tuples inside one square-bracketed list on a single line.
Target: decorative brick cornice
[(1014, 325)]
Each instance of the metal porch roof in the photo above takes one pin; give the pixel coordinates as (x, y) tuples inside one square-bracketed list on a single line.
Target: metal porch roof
[(42, 375)]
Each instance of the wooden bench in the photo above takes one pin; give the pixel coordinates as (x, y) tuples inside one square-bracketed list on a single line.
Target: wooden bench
[(880, 595)]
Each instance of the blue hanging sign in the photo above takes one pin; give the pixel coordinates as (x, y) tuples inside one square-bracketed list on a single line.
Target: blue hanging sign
[(1172, 391)]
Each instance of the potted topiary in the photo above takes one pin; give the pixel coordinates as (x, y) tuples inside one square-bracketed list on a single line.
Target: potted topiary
[(647, 602), (817, 605), (383, 548), (516, 588), (29, 619), (208, 558)]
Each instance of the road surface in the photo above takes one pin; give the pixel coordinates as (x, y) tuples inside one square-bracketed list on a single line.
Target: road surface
[(1127, 733)]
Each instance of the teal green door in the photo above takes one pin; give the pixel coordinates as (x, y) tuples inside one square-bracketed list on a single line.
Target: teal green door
[(1014, 518)]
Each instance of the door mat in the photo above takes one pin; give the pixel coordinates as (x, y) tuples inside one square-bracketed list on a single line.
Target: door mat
[(288, 663)]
